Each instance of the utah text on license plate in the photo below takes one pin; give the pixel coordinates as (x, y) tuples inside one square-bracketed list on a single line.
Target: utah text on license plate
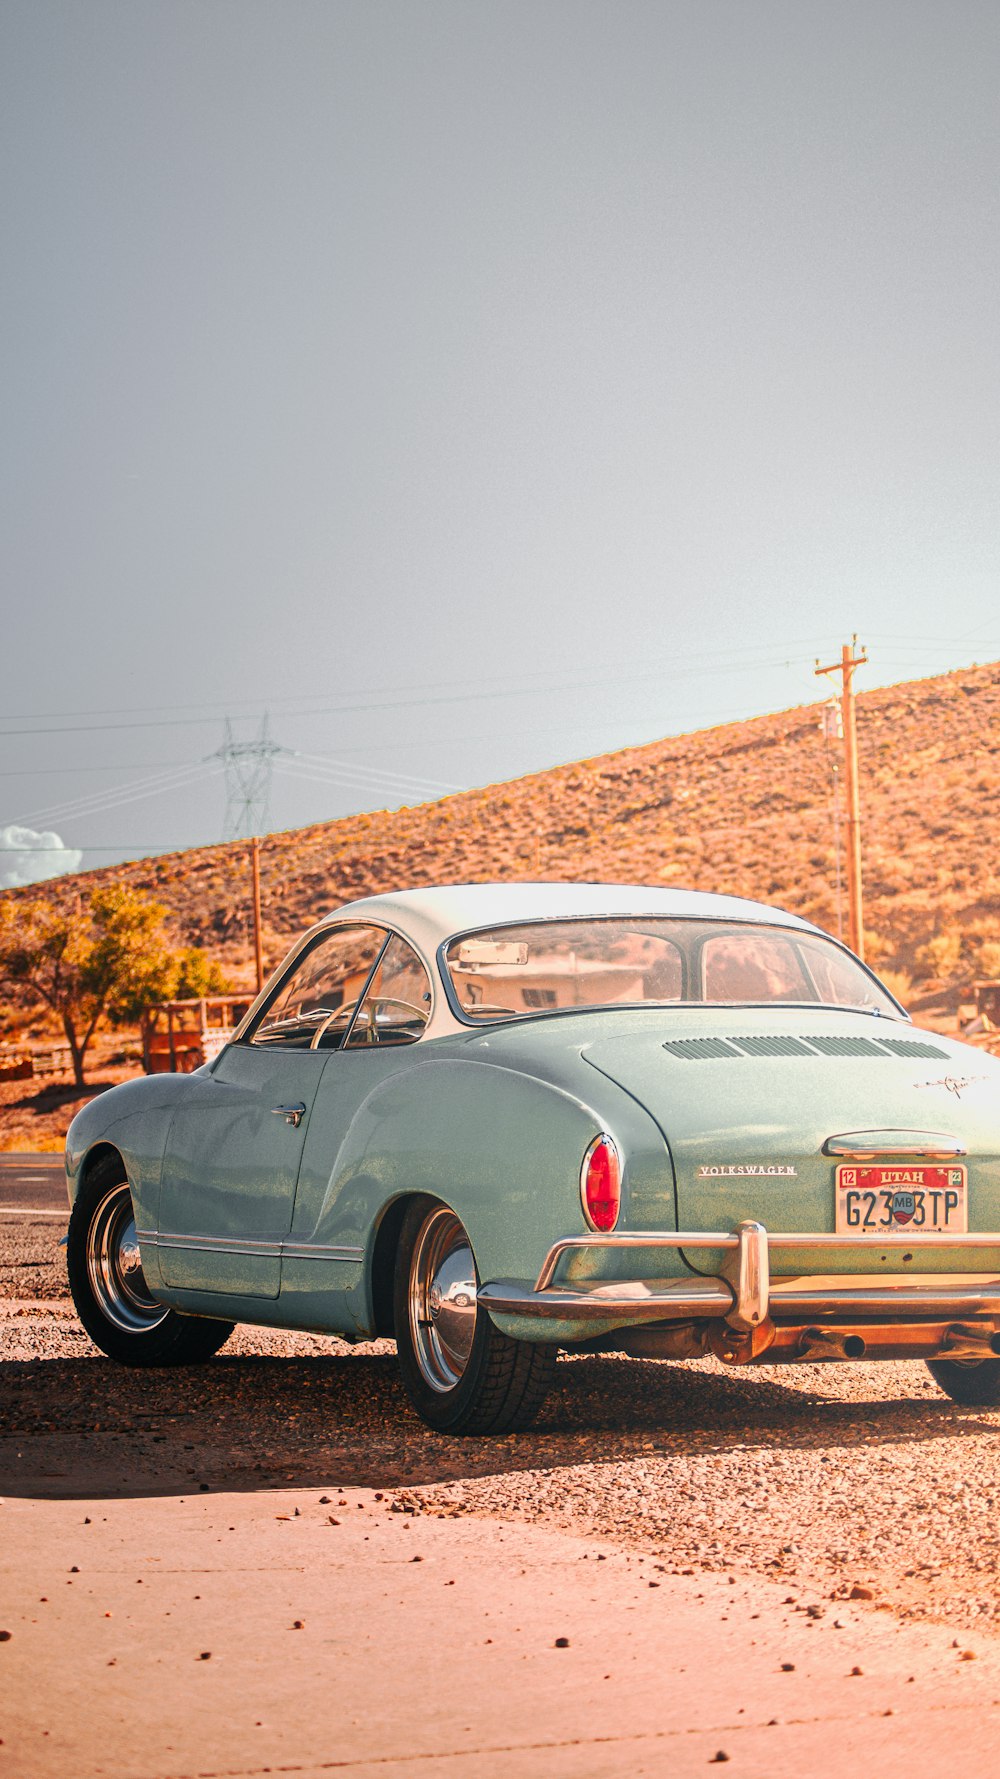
[(885, 1200)]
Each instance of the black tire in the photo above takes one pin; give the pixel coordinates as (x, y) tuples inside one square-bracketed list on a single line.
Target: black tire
[(112, 1299), (461, 1374), (973, 1382)]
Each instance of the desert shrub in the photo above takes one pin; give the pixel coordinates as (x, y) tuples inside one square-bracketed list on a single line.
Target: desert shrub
[(986, 958), (941, 956)]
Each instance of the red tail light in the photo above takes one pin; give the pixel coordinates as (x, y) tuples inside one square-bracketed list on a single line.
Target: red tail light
[(601, 1184)]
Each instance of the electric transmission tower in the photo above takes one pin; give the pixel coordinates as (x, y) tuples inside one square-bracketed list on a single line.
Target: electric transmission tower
[(248, 780)]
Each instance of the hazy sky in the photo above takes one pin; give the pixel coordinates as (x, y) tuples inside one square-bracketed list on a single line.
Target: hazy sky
[(478, 384)]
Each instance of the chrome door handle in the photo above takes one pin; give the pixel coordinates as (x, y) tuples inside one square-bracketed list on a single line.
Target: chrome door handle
[(291, 1114)]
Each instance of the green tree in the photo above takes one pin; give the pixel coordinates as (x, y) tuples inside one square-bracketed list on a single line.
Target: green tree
[(105, 958)]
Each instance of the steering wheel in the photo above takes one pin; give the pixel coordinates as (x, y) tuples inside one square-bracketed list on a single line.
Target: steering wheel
[(369, 1013), (381, 1001), (323, 1026)]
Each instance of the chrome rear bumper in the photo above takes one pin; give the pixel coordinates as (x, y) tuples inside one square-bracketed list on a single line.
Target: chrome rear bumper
[(742, 1296)]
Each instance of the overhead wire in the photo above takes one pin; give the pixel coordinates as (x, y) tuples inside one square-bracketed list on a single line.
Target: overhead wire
[(549, 688), (62, 771), (214, 710), (331, 761), (342, 774), (342, 782), (117, 795)]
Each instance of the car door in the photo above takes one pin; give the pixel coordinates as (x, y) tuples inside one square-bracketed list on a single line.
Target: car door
[(234, 1147), (340, 1190)]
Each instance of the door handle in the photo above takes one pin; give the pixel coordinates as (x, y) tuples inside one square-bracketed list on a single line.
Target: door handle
[(291, 1114)]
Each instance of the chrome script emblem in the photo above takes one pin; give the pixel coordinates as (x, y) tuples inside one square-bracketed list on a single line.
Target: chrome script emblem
[(747, 1170), (955, 1084)]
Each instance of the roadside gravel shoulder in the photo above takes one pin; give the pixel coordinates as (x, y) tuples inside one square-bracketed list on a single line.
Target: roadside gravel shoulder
[(826, 1481)]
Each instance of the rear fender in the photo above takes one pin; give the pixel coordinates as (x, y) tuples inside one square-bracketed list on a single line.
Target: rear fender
[(502, 1148)]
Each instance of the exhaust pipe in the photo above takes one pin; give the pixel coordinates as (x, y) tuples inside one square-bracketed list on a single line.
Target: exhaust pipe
[(827, 1343), (963, 1340)]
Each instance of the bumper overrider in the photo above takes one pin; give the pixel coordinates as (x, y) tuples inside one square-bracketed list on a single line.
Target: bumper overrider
[(741, 1313)]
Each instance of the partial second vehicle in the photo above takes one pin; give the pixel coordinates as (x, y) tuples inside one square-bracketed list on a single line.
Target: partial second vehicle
[(496, 1121)]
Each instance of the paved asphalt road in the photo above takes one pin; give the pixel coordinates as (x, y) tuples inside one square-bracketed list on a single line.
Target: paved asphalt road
[(32, 1183)]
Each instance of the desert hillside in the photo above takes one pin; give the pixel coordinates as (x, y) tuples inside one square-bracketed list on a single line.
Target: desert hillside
[(745, 808)]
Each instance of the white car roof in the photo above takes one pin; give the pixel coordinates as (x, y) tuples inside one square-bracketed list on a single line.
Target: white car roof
[(429, 916)]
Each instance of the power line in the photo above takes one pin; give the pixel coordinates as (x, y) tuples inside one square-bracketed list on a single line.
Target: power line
[(61, 771), (146, 848), (115, 796), (548, 689), (212, 710), (330, 763)]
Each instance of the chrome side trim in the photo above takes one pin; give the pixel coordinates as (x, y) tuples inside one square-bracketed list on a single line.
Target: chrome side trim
[(319, 1251), (247, 1248), (212, 1244)]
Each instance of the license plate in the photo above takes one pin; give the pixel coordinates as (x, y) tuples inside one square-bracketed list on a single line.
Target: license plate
[(891, 1200)]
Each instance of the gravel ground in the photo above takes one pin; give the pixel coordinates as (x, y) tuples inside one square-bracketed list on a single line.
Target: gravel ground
[(828, 1478), (36, 1114)]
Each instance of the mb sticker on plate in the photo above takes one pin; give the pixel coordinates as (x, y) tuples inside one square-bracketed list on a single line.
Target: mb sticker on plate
[(889, 1200)]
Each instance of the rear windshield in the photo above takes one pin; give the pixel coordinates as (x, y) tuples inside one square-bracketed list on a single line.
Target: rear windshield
[(542, 966)]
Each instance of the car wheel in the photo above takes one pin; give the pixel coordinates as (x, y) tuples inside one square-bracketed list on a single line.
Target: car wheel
[(973, 1382), (461, 1374), (113, 1300)]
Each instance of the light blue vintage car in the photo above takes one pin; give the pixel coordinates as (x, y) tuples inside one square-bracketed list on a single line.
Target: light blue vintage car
[(493, 1121)]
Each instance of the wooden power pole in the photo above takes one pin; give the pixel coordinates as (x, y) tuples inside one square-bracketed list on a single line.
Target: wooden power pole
[(850, 659), (255, 880)]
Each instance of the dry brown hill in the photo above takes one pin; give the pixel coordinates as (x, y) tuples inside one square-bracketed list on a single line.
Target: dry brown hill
[(745, 808)]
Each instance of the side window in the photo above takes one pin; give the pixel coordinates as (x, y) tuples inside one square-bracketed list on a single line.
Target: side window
[(752, 966), (314, 1007), (398, 1002)]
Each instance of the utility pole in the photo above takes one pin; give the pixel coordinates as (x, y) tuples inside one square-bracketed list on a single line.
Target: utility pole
[(832, 725), (255, 882), (849, 661)]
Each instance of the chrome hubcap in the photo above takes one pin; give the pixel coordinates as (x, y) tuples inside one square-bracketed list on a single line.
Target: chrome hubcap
[(114, 1266), (443, 1288)]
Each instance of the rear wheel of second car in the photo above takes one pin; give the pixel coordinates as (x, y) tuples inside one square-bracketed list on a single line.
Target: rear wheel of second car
[(461, 1374), (973, 1382)]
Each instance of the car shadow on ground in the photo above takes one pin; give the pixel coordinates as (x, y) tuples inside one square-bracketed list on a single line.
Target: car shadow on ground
[(85, 1428)]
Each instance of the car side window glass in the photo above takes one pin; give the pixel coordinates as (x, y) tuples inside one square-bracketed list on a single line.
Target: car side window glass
[(398, 1002), (313, 1009), (838, 979)]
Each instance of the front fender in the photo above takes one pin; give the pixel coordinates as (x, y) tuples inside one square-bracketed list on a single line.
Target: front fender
[(133, 1118)]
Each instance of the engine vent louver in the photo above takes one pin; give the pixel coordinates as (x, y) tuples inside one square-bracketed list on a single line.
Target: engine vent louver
[(694, 1049), (907, 1047), (709, 1049), (845, 1046), (767, 1046)]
